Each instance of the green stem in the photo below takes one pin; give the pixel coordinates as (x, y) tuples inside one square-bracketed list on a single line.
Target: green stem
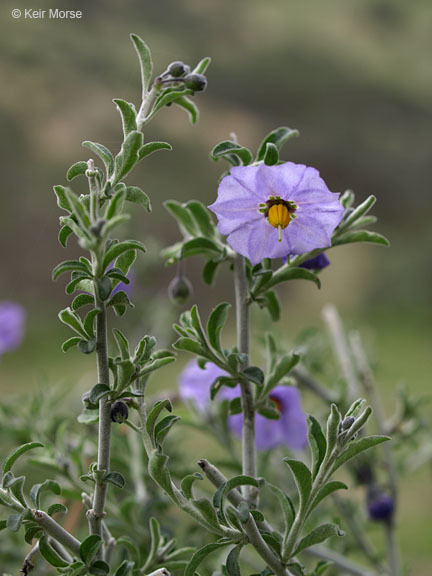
[(57, 532), (249, 466)]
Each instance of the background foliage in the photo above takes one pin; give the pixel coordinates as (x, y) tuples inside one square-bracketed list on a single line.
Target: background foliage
[(353, 77)]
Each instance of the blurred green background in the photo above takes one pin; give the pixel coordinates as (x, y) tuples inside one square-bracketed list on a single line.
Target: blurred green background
[(355, 77)]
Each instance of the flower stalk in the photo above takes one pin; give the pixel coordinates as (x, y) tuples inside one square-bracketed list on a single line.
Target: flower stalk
[(249, 467)]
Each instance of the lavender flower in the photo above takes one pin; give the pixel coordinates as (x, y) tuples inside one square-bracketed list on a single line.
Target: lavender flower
[(289, 430), (12, 322), (273, 211)]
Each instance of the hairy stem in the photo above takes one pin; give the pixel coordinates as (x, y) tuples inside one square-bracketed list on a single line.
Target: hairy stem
[(53, 529), (368, 384), (249, 466), (97, 512)]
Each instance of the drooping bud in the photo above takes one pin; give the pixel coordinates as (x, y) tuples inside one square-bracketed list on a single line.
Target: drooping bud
[(196, 82), (85, 399), (178, 69), (180, 289), (119, 412), (380, 506)]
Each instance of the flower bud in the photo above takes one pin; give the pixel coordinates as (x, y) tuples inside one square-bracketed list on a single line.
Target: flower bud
[(119, 412), (177, 69), (180, 289), (196, 82), (85, 399), (380, 506), (96, 228)]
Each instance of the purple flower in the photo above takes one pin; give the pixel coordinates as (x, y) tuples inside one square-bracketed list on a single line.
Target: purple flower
[(290, 429), (273, 211), (12, 322), (317, 263), (195, 383)]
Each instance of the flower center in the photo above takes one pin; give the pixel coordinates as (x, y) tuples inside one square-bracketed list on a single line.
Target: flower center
[(276, 402), (278, 212)]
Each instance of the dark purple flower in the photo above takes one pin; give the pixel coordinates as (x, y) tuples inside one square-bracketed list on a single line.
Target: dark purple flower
[(290, 429), (12, 324), (380, 506), (317, 263), (273, 211)]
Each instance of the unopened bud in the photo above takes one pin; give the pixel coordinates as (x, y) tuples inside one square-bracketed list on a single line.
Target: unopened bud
[(196, 82), (177, 69), (85, 399), (97, 227), (180, 289), (119, 411), (380, 506)]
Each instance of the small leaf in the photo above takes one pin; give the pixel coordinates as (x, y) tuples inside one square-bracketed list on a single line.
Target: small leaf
[(145, 60), (71, 342), (203, 246), (358, 446), (167, 97), (317, 443), (361, 210), (90, 547), (232, 565), (209, 271), (271, 156), (124, 568), (277, 137), (285, 504), (128, 114), (326, 490), (122, 344), (190, 107), (254, 374), (228, 148), (184, 218), (77, 169), (97, 392), (138, 196), (47, 485), (103, 153), (99, 568), (189, 345), (154, 415), (128, 156), (202, 217), (151, 147), (64, 234), (360, 236), (62, 199), (56, 509), (201, 555), (15, 454), (317, 536), (116, 479), (302, 477), (14, 522), (202, 66), (50, 555), (187, 482), (333, 423), (82, 300), (72, 320), (287, 273), (280, 370), (120, 248), (216, 322)]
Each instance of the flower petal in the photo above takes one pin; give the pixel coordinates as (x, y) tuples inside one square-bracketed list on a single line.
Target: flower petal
[(259, 240)]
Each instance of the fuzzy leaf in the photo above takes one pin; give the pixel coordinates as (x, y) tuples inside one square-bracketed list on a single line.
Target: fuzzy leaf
[(358, 446), (278, 137), (128, 114), (90, 547), (317, 443), (145, 60), (216, 322), (77, 169), (15, 454), (360, 236), (317, 536), (201, 555), (103, 153), (138, 196), (302, 477), (151, 147), (50, 555)]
